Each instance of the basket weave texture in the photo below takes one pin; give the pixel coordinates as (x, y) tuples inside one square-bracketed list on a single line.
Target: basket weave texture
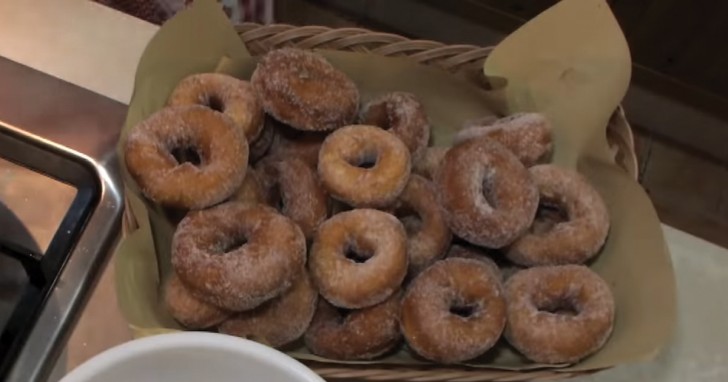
[(464, 59)]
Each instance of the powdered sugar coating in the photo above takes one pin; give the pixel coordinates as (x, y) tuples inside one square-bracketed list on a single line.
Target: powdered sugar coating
[(279, 321), (250, 191), (404, 116), (226, 94), (207, 255), (359, 335), (471, 252), (545, 337), (429, 162), (570, 242), (489, 197), (372, 234), (527, 135), (293, 187), (302, 89), (340, 159), (429, 236), (189, 310), (222, 149), (428, 323)]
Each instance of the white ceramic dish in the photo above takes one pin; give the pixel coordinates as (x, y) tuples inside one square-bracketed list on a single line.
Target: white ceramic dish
[(192, 357)]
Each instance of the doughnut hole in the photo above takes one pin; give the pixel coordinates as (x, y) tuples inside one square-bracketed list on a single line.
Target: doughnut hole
[(463, 310), (557, 305), (357, 254), (365, 160), (463, 305), (488, 192), (233, 243), (186, 154), (215, 103), (550, 212)]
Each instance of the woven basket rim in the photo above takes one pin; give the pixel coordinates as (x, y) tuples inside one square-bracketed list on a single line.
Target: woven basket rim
[(458, 57)]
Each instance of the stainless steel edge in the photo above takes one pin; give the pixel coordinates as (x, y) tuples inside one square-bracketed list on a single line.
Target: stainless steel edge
[(86, 126), (78, 276)]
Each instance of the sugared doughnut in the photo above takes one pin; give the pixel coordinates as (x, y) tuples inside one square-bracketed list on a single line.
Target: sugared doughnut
[(290, 142), (489, 197), (293, 187), (475, 253), (279, 321), (558, 314), (356, 334), (364, 166), (453, 311), (260, 147), (428, 235), (237, 256), (429, 162), (403, 115), (572, 223), (225, 94), (187, 157), (302, 89), (527, 135), (359, 258), (189, 310), (250, 191)]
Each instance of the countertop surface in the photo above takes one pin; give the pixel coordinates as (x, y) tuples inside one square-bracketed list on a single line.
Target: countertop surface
[(98, 48)]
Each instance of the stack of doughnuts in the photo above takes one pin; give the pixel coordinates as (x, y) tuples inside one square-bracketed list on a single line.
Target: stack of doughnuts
[(314, 217)]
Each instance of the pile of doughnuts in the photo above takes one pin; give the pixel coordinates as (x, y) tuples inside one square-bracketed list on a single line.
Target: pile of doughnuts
[(311, 218)]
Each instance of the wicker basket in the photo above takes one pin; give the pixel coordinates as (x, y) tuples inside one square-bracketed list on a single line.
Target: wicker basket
[(464, 59)]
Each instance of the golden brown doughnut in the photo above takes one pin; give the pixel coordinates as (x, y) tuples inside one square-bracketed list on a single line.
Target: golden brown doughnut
[(237, 256), (250, 191), (189, 310), (576, 230), (356, 334), (429, 162), (364, 166), (225, 94), (279, 321), (301, 144), (428, 235), (359, 258), (404, 116), (489, 197), (453, 311), (301, 89), (293, 187), (527, 135), (187, 157), (558, 314)]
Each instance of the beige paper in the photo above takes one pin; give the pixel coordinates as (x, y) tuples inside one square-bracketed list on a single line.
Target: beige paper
[(550, 66)]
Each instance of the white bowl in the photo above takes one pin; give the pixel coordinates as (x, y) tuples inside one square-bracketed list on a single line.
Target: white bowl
[(194, 357)]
